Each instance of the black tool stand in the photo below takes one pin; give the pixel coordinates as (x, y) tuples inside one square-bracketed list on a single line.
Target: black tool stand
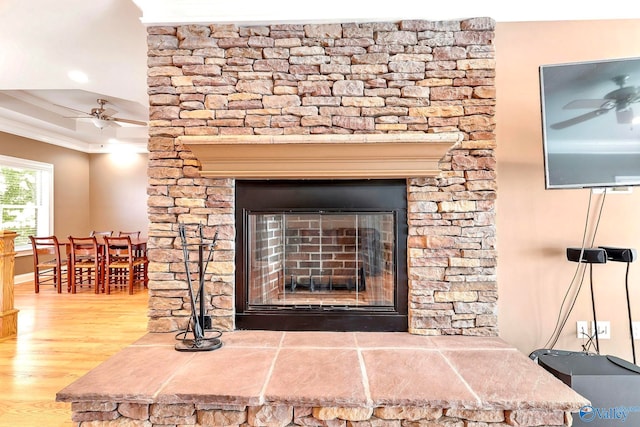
[(608, 382), (199, 342)]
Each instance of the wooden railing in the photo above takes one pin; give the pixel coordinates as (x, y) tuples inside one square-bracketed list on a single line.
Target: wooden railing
[(8, 314)]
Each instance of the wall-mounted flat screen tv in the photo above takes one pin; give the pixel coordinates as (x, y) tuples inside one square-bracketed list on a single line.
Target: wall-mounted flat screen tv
[(591, 123)]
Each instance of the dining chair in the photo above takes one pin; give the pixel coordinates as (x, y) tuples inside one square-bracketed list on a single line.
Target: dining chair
[(122, 265), (49, 264), (134, 235), (85, 263), (99, 235)]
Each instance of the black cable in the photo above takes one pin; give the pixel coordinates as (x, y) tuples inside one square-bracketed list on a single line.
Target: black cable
[(593, 300), (587, 345), (626, 286), (593, 307)]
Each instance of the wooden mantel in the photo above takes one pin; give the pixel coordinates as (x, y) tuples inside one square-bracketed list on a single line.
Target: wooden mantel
[(401, 155)]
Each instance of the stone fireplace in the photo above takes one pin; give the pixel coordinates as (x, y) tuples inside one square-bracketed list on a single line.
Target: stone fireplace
[(409, 100)]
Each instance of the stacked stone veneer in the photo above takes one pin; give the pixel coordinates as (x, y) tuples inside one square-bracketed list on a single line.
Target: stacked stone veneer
[(408, 76), (113, 414)]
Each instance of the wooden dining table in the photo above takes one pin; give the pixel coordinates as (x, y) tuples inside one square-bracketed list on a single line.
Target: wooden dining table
[(138, 244)]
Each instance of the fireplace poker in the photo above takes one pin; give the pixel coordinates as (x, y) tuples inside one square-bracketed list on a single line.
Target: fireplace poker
[(202, 268)]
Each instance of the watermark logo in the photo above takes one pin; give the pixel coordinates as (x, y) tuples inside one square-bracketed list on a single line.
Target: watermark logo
[(589, 413)]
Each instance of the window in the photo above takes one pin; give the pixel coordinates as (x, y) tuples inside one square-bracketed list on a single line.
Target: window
[(26, 199)]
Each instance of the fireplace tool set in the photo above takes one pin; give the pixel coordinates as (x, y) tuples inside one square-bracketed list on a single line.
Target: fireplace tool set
[(195, 327)]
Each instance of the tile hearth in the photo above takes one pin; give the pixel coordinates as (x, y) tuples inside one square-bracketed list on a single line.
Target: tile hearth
[(322, 369)]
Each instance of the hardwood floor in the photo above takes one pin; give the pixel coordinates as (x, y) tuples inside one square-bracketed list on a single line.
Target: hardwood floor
[(60, 338)]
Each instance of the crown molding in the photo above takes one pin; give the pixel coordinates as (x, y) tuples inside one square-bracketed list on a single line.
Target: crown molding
[(260, 12)]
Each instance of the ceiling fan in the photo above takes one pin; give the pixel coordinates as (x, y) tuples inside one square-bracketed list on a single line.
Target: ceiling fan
[(619, 99), (102, 117)]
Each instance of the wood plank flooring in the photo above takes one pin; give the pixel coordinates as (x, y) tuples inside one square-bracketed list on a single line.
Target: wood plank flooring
[(60, 338)]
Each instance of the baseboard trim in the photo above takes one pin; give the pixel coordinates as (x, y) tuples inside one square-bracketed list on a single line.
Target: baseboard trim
[(22, 278)]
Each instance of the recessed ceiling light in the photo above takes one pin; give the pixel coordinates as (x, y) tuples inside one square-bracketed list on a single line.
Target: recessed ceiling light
[(78, 76)]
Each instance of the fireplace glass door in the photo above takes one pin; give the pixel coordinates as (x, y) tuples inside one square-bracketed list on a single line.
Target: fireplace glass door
[(321, 255), (321, 259)]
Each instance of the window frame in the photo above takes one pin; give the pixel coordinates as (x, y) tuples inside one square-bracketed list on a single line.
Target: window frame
[(46, 205)]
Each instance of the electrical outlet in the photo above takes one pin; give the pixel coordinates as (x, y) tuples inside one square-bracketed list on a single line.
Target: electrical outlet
[(604, 329), (636, 330), (583, 330)]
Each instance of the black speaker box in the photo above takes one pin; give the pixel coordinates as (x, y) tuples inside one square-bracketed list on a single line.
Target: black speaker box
[(589, 255), (607, 381), (620, 254)]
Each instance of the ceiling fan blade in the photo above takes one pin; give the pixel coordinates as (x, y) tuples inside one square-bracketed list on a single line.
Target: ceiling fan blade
[(579, 119), (590, 104), (78, 117), (73, 109), (133, 122), (108, 112)]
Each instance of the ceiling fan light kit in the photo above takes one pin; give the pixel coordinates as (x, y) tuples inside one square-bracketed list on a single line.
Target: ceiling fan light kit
[(100, 123)]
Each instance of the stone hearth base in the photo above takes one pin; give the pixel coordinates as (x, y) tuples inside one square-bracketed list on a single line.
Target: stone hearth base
[(269, 378)]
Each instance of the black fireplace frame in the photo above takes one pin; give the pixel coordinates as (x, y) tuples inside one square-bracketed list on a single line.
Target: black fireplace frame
[(388, 195)]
